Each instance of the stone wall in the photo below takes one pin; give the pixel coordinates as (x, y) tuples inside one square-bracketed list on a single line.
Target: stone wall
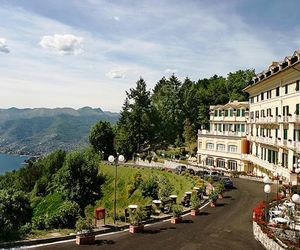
[(264, 239)]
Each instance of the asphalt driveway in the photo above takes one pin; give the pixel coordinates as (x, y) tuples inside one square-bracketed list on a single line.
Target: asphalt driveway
[(228, 226)]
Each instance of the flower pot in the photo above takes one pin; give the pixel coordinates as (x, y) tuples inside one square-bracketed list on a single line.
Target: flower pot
[(176, 220), (136, 228), (85, 239), (195, 212), (213, 203)]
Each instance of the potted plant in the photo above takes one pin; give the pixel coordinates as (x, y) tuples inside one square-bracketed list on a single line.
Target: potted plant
[(177, 211), (220, 188), (195, 204), (136, 217), (213, 197), (84, 228)]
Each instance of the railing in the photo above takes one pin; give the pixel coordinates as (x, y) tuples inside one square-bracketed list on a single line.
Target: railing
[(295, 145), (222, 133), (275, 119), (265, 164), (264, 140)]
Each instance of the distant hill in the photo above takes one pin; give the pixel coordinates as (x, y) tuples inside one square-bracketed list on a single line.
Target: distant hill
[(41, 130)]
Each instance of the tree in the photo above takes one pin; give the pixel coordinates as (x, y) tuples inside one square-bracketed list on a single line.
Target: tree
[(79, 179), (15, 211), (102, 138)]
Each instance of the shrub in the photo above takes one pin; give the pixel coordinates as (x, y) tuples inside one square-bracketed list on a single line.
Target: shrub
[(177, 210), (165, 187), (84, 225), (150, 187), (213, 196), (195, 201), (220, 187), (136, 216)]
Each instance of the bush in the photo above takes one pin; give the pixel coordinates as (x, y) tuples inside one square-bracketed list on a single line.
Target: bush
[(213, 196), (177, 210), (195, 201), (84, 225), (220, 187), (136, 216), (150, 187), (165, 188)]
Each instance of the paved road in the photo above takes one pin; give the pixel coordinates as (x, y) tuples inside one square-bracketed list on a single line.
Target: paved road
[(228, 226)]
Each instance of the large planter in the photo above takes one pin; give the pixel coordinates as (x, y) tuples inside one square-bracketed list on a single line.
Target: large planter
[(176, 220), (195, 212), (85, 239), (136, 228), (213, 203)]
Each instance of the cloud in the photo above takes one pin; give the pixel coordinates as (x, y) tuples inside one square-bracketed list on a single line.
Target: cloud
[(67, 44), (171, 71), (3, 46), (116, 18), (116, 74)]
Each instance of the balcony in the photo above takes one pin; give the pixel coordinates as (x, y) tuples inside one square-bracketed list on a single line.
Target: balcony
[(265, 164), (275, 119), (263, 140), (221, 133), (294, 145)]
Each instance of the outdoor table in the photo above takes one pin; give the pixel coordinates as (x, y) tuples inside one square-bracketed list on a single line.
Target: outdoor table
[(280, 220), (276, 212), (174, 198), (188, 194), (157, 202), (133, 207)]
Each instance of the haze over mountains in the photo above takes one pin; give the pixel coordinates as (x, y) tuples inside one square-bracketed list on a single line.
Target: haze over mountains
[(42, 130)]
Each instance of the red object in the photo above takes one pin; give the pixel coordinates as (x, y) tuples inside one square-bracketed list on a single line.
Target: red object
[(100, 213)]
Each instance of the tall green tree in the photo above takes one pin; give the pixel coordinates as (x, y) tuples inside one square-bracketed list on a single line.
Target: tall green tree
[(79, 179), (102, 138)]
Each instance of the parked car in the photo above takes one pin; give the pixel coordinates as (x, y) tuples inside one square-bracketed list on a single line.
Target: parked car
[(191, 171), (180, 168), (202, 173), (227, 182)]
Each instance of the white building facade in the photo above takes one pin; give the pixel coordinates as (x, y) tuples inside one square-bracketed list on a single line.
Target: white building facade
[(221, 146), (274, 120)]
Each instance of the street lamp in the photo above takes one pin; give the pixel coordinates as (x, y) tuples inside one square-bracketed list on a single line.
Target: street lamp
[(116, 160), (297, 170), (277, 174), (267, 190)]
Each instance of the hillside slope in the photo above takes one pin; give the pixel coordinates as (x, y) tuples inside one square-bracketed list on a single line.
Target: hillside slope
[(40, 131)]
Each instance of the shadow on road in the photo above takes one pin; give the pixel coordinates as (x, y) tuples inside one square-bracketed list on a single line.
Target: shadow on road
[(187, 221), (104, 242), (204, 213), (221, 204)]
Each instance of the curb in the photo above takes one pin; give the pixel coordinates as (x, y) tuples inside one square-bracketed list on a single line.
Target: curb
[(109, 229)]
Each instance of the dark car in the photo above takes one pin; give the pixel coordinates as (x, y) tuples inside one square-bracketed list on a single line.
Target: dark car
[(191, 171), (179, 169), (202, 173), (227, 182)]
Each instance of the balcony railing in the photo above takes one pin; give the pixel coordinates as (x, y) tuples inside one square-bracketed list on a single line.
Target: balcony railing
[(264, 140), (265, 164), (275, 119), (221, 133), (294, 145)]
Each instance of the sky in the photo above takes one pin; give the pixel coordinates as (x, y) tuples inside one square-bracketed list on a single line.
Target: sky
[(78, 53)]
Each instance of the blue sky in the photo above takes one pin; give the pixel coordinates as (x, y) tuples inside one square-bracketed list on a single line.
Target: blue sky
[(88, 53)]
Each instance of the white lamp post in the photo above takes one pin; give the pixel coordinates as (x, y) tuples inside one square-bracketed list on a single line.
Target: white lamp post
[(115, 160), (277, 174), (267, 190), (297, 170)]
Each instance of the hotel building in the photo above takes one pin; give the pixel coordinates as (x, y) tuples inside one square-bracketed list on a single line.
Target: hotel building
[(274, 120), (221, 146)]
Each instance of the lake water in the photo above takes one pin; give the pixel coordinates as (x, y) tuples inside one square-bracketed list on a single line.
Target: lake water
[(11, 162)]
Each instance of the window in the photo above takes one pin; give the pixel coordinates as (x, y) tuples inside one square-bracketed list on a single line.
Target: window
[(257, 98), (277, 91), (232, 148), (286, 89), (243, 112), (297, 112), (226, 112), (238, 112), (285, 134), (276, 111), (251, 99), (242, 127), (276, 133), (220, 147), (262, 96), (285, 160), (209, 161), (209, 146), (269, 94), (232, 165), (262, 113), (220, 112), (220, 163), (257, 114), (216, 113), (297, 85), (231, 112)]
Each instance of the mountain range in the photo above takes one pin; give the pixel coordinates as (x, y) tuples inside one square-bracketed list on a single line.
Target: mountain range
[(39, 131)]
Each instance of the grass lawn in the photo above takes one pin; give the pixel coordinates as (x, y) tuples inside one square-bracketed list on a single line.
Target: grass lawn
[(126, 174)]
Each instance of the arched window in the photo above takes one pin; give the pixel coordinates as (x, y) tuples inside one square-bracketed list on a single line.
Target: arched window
[(220, 147)]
